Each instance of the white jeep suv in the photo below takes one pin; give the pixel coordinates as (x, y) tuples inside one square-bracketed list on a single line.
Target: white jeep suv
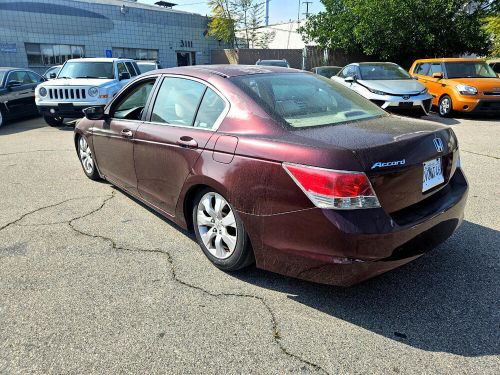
[(82, 83)]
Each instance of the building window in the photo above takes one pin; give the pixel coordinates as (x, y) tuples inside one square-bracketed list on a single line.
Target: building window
[(52, 54), (136, 53)]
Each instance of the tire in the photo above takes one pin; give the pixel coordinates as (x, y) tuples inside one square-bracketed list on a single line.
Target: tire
[(220, 231), (2, 118), (445, 107), (53, 121), (87, 159)]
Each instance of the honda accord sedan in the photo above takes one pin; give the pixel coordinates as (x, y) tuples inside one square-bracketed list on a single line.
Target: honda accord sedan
[(279, 167)]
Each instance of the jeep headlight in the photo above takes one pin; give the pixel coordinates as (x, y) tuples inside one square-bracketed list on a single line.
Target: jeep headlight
[(424, 91), (94, 91), (42, 91), (466, 89)]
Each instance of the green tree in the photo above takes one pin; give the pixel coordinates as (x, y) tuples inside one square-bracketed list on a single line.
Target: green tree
[(223, 23), (401, 30)]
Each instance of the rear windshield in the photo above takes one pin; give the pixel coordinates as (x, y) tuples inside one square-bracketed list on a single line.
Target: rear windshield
[(283, 64), (328, 72), (382, 72), (146, 67), (87, 69), (306, 100), (469, 69)]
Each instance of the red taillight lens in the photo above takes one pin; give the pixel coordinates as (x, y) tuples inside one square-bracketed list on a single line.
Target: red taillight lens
[(334, 189)]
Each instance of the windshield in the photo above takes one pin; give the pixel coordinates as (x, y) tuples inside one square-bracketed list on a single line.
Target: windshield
[(87, 69), (382, 72), (146, 67), (469, 69), (305, 100), (281, 63), (328, 72)]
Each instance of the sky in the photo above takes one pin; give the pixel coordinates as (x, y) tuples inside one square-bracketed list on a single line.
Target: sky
[(279, 10)]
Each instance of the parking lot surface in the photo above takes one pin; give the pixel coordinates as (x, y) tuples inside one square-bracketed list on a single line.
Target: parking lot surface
[(91, 281)]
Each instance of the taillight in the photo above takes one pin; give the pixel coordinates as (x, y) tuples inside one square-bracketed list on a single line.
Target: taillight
[(328, 188)]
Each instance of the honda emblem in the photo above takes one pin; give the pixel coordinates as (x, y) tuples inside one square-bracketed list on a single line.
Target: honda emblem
[(439, 144)]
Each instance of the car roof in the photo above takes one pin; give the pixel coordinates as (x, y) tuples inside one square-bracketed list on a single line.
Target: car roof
[(100, 59), (327, 66), (374, 63), (7, 68), (223, 70), (449, 59)]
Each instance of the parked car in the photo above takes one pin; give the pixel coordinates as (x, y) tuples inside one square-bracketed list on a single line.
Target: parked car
[(387, 85), (17, 93), (146, 66), (82, 83), (327, 71), (460, 84), (51, 73), (283, 63), (283, 167), (495, 65)]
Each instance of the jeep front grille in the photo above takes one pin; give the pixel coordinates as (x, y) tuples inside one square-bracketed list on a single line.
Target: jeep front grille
[(67, 93)]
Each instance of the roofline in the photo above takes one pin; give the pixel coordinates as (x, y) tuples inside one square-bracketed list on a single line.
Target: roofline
[(447, 59)]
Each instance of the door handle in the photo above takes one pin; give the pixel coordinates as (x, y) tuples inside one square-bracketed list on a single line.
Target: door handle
[(187, 142), (127, 133)]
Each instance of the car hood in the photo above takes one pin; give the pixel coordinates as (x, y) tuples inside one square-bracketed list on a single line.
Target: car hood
[(78, 82), (482, 84), (394, 86)]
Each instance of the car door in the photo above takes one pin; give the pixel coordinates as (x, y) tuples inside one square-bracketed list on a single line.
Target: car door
[(113, 138), (433, 84), (20, 93), (181, 121)]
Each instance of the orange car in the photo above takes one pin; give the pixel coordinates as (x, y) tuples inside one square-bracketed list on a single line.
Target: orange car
[(465, 84)]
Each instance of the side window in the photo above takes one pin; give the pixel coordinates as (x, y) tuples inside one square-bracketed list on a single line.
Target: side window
[(177, 101), (422, 69), (435, 68), (16, 76), (131, 69), (211, 108), (121, 68), (35, 78), (131, 105), (345, 72)]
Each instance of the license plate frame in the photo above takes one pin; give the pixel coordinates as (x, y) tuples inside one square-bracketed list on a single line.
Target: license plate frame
[(432, 174)]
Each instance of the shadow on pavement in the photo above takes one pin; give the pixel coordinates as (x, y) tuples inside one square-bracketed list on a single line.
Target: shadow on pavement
[(455, 120), (447, 301), (29, 123)]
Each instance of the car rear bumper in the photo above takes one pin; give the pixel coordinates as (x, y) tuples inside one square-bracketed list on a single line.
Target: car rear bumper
[(347, 247), (66, 110)]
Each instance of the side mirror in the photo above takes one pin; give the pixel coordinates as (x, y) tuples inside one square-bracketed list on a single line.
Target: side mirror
[(415, 78), (94, 113), (124, 75), (437, 75), (350, 79), (52, 75), (12, 84)]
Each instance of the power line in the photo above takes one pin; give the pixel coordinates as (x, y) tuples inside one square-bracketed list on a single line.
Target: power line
[(307, 8)]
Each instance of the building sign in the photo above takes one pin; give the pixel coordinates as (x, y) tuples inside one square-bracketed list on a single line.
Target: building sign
[(8, 47), (109, 53), (186, 44)]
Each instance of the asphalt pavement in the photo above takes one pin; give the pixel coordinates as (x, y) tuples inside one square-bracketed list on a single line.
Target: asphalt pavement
[(92, 281)]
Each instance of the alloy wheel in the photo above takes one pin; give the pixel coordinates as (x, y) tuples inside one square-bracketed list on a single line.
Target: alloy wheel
[(86, 156), (444, 106), (217, 225)]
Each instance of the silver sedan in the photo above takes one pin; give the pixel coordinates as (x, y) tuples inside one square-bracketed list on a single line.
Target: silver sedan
[(387, 85)]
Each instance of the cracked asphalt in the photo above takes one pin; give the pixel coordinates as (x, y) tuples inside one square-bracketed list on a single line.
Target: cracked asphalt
[(92, 281)]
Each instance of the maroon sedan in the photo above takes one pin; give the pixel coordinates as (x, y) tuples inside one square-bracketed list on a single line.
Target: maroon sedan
[(279, 167)]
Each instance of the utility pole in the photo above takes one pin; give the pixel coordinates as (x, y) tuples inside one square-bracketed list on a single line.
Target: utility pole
[(307, 8), (298, 13), (267, 12)]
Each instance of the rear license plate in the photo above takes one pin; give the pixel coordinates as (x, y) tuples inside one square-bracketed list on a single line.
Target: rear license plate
[(406, 104), (433, 174)]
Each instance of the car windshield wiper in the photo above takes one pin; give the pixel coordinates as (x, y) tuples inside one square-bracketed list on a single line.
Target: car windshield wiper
[(87, 77), (64, 77)]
